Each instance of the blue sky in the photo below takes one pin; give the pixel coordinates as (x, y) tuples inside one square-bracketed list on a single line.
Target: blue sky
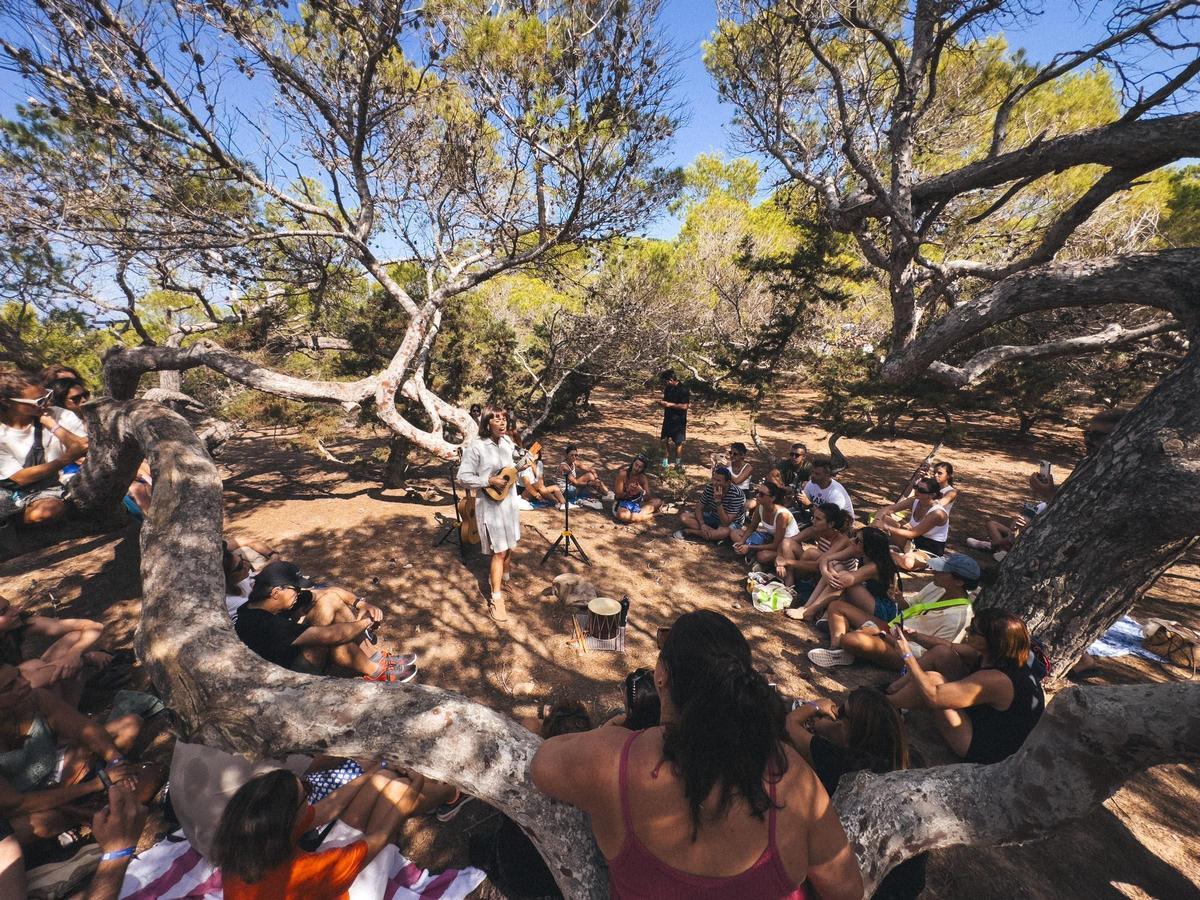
[(1064, 25)]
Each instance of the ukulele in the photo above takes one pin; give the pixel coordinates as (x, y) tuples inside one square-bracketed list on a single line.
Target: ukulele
[(509, 473)]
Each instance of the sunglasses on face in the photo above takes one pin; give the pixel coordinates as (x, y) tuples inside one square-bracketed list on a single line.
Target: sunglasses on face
[(38, 402), (797, 453)]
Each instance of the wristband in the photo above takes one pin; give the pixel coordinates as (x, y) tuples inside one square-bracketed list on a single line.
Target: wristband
[(115, 762), (117, 854), (104, 779), (907, 655)]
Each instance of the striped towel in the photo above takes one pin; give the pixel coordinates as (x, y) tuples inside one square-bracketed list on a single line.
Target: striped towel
[(172, 870)]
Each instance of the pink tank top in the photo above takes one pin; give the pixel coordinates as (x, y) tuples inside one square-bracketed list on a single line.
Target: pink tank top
[(637, 873)]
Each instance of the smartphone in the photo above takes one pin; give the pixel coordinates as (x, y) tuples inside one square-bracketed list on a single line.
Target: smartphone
[(1045, 471)]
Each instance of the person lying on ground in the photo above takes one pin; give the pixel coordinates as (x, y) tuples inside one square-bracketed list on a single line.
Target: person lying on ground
[(257, 554), (632, 489), (48, 753), (771, 530), (697, 798), (61, 663), (317, 632), (986, 699), (822, 487), (927, 526), (862, 636), (873, 587), (241, 561), (35, 447), (826, 534), (580, 483), (117, 828), (720, 508), (257, 841), (865, 734), (533, 490)]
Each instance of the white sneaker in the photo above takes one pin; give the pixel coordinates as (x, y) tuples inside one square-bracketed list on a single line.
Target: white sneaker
[(591, 503), (976, 544), (827, 658), (523, 504), (610, 496), (679, 536), (561, 507)]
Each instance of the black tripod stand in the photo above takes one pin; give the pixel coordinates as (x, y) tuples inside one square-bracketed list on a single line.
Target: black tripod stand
[(453, 530), (566, 539)]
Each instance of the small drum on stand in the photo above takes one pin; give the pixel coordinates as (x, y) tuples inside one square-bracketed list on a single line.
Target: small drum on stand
[(604, 618)]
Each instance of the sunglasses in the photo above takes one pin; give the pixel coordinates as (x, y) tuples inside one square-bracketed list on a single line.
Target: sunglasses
[(38, 402), (801, 453)]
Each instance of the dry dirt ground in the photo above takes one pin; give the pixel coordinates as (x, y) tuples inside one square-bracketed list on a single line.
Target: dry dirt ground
[(336, 523)]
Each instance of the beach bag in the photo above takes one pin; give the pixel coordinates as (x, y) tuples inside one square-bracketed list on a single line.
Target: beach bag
[(772, 596)]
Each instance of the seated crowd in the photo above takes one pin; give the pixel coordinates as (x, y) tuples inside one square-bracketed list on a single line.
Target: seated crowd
[(707, 783)]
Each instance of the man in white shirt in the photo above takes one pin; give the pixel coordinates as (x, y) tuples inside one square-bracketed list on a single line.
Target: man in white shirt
[(34, 449), (822, 487)]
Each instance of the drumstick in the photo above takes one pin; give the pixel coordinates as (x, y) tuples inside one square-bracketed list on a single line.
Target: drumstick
[(579, 634)]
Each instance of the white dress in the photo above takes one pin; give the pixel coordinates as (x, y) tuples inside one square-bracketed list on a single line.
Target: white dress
[(499, 523)]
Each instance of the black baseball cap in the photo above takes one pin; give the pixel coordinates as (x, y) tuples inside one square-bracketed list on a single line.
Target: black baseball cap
[(278, 574)]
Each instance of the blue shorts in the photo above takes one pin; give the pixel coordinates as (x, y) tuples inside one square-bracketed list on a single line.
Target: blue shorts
[(886, 609), (711, 520), (757, 538), (633, 506)]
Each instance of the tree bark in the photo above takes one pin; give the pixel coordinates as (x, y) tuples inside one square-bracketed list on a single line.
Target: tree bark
[(1124, 516), (396, 466), (235, 700), (1089, 742)]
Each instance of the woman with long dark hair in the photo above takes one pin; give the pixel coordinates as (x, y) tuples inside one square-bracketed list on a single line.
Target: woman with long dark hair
[(632, 489), (865, 734), (713, 802), (872, 587)]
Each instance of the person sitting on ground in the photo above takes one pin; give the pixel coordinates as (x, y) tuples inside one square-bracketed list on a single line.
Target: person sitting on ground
[(60, 664), (866, 734), (533, 491), (822, 487), (35, 447), (826, 534), (793, 473), (241, 560), (580, 483), (771, 530), (1001, 537), (315, 632), (928, 526), (742, 471), (52, 757), (632, 490), (712, 802), (53, 373), (872, 588), (257, 844), (987, 700), (514, 429), (720, 508), (1095, 435), (942, 619)]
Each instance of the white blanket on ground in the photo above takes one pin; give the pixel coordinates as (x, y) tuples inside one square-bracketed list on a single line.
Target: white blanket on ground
[(173, 871)]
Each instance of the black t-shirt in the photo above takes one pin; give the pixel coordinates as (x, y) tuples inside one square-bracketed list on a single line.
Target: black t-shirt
[(269, 635), (794, 476), (676, 393), (831, 762)]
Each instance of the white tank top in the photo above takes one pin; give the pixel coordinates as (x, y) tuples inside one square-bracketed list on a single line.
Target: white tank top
[(937, 532), (790, 530), (944, 491)]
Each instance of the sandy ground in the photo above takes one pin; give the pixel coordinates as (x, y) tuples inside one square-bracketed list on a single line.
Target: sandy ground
[(339, 526)]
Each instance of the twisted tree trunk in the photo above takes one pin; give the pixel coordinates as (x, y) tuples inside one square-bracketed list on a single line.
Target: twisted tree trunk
[(235, 700), (1123, 518), (1088, 743)]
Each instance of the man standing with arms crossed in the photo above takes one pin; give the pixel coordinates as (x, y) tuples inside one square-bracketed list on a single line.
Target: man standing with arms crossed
[(675, 401), (498, 520)]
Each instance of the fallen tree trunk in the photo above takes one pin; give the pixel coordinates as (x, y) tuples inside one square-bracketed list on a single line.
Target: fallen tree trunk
[(1087, 744)]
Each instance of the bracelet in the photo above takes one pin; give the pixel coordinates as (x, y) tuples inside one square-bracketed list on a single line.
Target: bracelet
[(907, 656), (814, 704), (115, 762), (117, 854)]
